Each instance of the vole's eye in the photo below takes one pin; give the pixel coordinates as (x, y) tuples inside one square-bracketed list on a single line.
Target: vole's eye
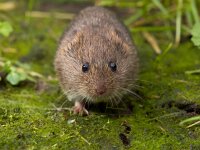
[(85, 67), (112, 66)]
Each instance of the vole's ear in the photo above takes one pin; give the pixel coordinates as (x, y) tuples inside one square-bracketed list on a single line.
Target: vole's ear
[(117, 34), (72, 40), (121, 41)]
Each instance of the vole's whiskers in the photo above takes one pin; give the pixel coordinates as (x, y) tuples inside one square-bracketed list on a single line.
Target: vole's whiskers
[(111, 100), (135, 86), (146, 81), (115, 98), (118, 96), (131, 92)]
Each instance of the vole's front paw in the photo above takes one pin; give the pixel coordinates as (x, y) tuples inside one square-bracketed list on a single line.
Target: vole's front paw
[(80, 109)]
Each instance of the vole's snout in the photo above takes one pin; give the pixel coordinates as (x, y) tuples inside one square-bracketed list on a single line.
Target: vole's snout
[(100, 88)]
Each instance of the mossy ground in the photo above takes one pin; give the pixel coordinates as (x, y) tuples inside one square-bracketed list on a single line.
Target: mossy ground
[(29, 120)]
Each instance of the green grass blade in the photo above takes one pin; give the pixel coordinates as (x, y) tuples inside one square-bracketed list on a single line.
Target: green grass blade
[(178, 22), (195, 11), (160, 6), (195, 118)]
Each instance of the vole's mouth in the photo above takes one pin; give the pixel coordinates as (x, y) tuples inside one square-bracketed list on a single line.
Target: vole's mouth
[(100, 97), (96, 96), (98, 93), (103, 94)]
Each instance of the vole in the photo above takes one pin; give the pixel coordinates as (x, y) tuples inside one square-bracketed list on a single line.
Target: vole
[(96, 59)]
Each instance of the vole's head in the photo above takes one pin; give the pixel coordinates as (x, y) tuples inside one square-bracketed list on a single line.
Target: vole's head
[(96, 65)]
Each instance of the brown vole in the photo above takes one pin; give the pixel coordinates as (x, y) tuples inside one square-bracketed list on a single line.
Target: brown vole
[(96, 59)]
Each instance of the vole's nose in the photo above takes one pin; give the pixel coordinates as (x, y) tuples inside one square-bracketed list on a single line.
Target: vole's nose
[(100, 89)]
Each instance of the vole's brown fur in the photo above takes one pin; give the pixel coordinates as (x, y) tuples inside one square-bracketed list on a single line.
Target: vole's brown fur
[(97, 37)]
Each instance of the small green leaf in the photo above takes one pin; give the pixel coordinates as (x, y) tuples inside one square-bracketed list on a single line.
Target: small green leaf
[(5, 28), (196, 35), (15, 77), (17, 72)]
